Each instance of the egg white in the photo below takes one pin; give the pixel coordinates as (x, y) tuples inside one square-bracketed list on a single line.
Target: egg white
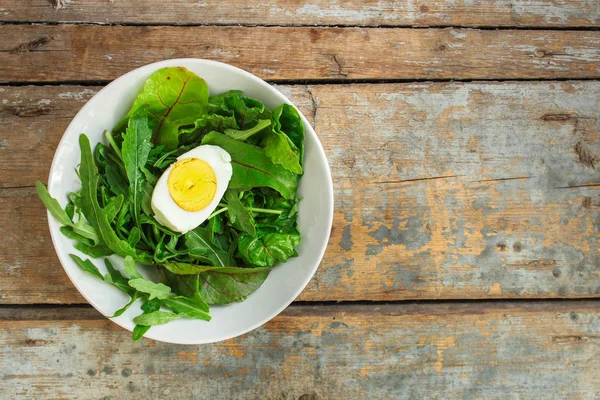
[(168, 213)]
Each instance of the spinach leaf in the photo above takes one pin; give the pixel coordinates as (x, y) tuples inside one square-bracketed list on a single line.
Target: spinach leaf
[(136, 148), (229, 285), (181, 268), (154, 290), (200, 246), (205, 124), (245, 110), (264, 250), (288, 120), (238, 215), (156, 318), (252, 167), (280, 149), (217, 285), (148, 307), (215, 103), (173, 97), (245, 134)]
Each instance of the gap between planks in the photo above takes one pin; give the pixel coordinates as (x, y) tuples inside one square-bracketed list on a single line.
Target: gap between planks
[(380, 26), (333, 82), (52, 312)]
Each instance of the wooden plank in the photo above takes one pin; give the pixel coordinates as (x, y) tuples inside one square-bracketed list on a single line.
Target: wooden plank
[(442, 190), (553, 13), (525, 351), (55, 53)]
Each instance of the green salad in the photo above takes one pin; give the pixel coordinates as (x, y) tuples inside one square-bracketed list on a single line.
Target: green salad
[(201, 188)]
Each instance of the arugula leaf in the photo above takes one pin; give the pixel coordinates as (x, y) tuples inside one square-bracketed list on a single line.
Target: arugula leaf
[(130, 268), (190, 307), (97, 251), (52, 204), (92, 210), (146, 199), (245, 134), (71, 234), (116, 181), (79, 228), (173, 97), (200, 246), (252, 167), (148, 307), (238, 215), (156, 318), (87, 266), (136, 148), (154, 290), (264, 250), (113, 277), (121, 310), (112, 208)]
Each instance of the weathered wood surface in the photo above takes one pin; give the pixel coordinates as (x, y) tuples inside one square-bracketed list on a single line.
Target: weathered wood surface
[(442, 190), (54, 53), (550, 13), (506, 351)]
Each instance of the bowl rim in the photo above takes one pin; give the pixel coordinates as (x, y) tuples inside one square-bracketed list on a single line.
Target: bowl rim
[(308, 127)]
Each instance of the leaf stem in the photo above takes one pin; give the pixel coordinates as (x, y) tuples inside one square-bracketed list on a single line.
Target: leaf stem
[(217, 212), (163, 157), (264, 210), (113, 144)]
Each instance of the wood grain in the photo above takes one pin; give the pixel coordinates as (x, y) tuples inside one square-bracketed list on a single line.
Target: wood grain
[(550, 13), (55, 53), (442, 190), (524, 351)]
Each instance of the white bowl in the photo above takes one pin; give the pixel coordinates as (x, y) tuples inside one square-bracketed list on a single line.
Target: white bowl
[(285, 282)]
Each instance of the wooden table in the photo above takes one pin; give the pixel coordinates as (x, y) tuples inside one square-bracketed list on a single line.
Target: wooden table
[(464, 143)]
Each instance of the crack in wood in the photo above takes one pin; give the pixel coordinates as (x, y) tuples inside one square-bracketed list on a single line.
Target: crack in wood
[(592, 185), (585, 156), (504, 179), (30, 111), (32, 45), (557, 117), (573, 338), (340, 70), (313, 105), (57, 4), (415, 180)]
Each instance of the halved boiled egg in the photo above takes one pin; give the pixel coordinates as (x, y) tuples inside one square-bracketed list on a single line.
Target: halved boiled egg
[(191, 188)]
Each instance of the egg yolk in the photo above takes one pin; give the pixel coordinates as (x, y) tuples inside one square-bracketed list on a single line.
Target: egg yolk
[(192, 184)]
